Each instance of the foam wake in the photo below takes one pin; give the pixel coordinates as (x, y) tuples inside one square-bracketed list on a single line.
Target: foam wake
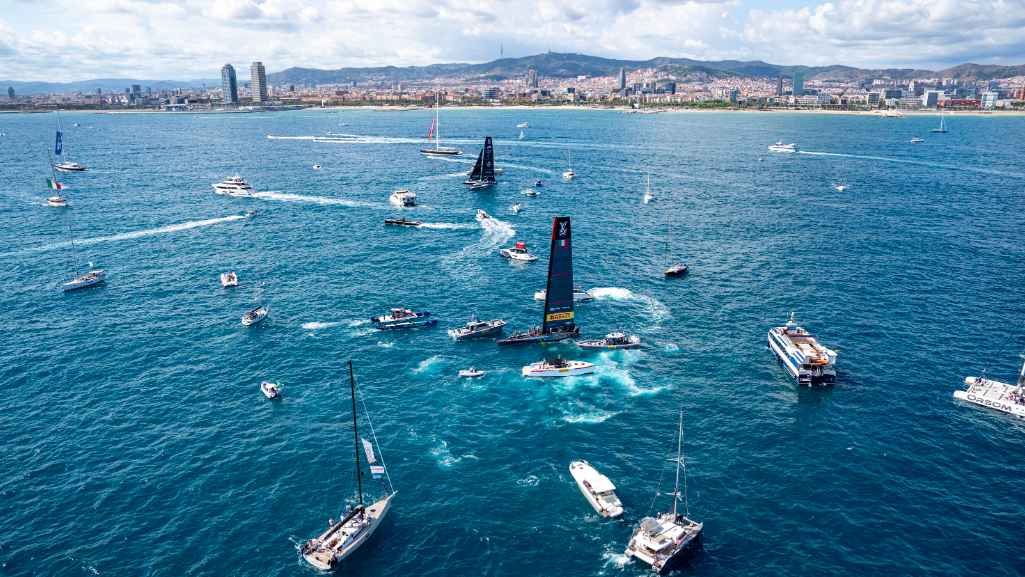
[(321, 200), (136, 234), (654, 308)]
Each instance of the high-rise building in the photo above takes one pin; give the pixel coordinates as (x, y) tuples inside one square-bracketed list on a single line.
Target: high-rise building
[(779, 86), (229, 84), (10, 92), (733, 94), (531, 79), (798, 83), (622, 78), (259, 76)]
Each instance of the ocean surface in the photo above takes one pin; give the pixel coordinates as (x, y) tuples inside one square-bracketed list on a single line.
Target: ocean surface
[(136, 440)]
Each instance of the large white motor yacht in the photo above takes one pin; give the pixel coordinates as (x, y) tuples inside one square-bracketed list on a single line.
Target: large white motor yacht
[(780, 147), (234, 186), (403, 198), (558, 368), (597, 489)]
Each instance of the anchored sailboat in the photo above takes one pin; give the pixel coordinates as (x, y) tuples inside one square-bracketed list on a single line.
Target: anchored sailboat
[(54, 198), (81, 280), (483, 173), (345, 537), (569, 168), (648, 197), (436, 131), (942, 128), (61, 151), (673, 268), (843, 186), (557, 323)]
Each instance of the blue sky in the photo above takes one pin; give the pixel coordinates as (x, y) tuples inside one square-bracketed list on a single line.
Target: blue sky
[(66, 40)]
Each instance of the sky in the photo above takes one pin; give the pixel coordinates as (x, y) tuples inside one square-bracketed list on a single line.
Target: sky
[(71, 40)]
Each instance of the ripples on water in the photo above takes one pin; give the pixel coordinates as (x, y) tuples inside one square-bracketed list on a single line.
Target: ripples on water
[(136, 440)]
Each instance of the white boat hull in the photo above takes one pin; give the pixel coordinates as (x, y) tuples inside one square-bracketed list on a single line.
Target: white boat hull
[(90, 279), (569, 174), (572, 369), (578, 476), (57, 202), (993, 395), (376, 512)]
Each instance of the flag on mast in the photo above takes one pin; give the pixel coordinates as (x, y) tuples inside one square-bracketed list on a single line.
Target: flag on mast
[(369, 450), (431, 133), (54, 185)]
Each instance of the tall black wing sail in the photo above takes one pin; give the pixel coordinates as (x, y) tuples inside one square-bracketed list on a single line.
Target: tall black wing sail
[(488, 170), (476, 174), (559, 297)]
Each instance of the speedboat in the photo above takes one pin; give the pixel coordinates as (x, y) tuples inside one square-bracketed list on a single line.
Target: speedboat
[(579, 294), (412, 323), (402, 221), (558, 368), (530, 192), (234, 186), (780, 147), (57, 200), (616, 340), (252, 213), (317, 166), (538, 183), (524, 125), (271, 390), (69, 166), (403, 198), (516, 208), (254, 316), (399, 316), (482, 216), (90, 278), (518, 253), (228, 279), (677, 268), (597, 489), (471, 372), (476, 328)]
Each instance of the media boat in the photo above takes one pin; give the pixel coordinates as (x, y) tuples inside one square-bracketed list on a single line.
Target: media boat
[(996, 395), (557, 321), (558, 368), (616, 340), (403, 198), (471, 373), (234, 186), (403, 319), (270, 390), (477, 328), (780, 147), (579, 294), (807, 361), (597, 489), (229, 279), (519, 252), (402, 221)]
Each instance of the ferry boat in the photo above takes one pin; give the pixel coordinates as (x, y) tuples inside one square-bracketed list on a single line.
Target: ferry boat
[(476, 328), (996, 395), (616, 340), (233, 186), (558, 368), (403, 198), (519, 252), (597, 489), (780, 147), (804, 358)]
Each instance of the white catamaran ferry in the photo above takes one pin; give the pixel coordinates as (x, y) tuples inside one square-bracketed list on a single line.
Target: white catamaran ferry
[(996, 395), (801, 354)]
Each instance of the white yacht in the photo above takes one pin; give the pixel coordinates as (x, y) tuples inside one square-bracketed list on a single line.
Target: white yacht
[(597, 489), (616, 340), (403, 198), (90, 278), (916, 139), (569, 168), (996, 395), (579, 294), (558, 368), (805, 359), (233, 186), (471, 373), (254, 316), (780, 147), (519, 252)]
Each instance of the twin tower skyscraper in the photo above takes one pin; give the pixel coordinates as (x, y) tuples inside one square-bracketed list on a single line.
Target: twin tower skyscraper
[(229, 83)]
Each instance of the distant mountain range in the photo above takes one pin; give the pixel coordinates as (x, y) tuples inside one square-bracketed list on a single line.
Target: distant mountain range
[(550, 64)]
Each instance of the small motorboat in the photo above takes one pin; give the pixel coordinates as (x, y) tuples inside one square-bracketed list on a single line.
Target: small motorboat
[(558, 368), (254, 316), (402, 221), (317, 166), (403, 198), (519, 252), (616, 340), (252, 213), (780, 147), (530, 192), (399, 316), (271, 390), (477, 328), (229, 279), (516, 208), (90, 278), (597, 489), (579, 294), (524, 125), (538, 183), (482, 216), (761, 158), (77, 124), (69, 167), (471, 372)]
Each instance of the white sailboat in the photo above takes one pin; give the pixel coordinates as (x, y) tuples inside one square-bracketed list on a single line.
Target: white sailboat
[(346, 536), (81, 280), (438, 150), (661, 540), (942, 128), (54, 198), (569, 172), (843, 186), (648, 197), (673, 268), (62, 152), (522, 136)]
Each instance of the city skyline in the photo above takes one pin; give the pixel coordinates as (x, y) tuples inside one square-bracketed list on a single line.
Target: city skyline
[(115, 38)]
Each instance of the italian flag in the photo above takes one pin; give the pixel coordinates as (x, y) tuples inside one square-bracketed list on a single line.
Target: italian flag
[(54, 185), (561, 243)]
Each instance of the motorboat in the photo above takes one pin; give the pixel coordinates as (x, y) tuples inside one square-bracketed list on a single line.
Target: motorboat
[(477, 328), (538, 183), (801, 354), (616, 340), (916, 139), (597, 489), (77, 124), (530, 192), (271, 390), (482, 216), (399, 316), (254, 316), (519, 252), (558, 368), (579, 294), (317, 166), (412, 323), (523, 125), (516, 208), (229, 279), (780, 147), (69, 166), (996, 395), (88, 279), (252, 213), (233, 186), (402, 221), (472, 372), (403, 198)]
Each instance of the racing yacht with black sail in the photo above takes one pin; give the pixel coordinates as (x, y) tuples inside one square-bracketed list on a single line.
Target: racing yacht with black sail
[(360, 521), (557, 323), (483, 173)]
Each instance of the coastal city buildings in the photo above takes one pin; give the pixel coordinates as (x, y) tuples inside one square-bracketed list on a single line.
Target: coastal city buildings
[(10, 92), (229, 84), (259, 82), (798, 84)]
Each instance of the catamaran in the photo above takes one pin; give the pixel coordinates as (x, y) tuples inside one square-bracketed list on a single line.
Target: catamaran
[(916, 139), (61, 151), (807, 361), (360, 521), (994, 394), (942, 128), (438, 150), (673, 268), (557, 323), (569, 168), (81, 280), (661, 540), (483, 173)]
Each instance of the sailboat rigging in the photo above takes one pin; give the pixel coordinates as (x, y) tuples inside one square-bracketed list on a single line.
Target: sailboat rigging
[(942, 128), (81, 281), (345, 537), (673, 268), (483, 173), (436, 131), (54, 198), (61, 151), (843, 186), (569, 167), (648, 197)]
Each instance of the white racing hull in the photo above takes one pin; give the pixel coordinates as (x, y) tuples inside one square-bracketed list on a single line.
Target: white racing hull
[(325, 561)]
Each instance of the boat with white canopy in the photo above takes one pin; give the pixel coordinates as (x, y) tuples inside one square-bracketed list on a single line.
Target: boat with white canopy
[(597, 489)]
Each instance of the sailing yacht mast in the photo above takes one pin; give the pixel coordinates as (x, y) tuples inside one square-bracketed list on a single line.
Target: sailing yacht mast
[(437, 118), (359, 482)]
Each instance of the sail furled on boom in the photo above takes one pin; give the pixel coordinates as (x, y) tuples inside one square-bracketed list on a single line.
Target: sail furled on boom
[(559, 297), (488, 166)]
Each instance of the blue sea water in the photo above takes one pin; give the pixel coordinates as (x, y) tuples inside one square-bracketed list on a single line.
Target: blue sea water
[(136, 441)]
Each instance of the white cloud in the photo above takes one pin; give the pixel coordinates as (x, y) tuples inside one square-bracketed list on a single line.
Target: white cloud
[(77, 39)]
